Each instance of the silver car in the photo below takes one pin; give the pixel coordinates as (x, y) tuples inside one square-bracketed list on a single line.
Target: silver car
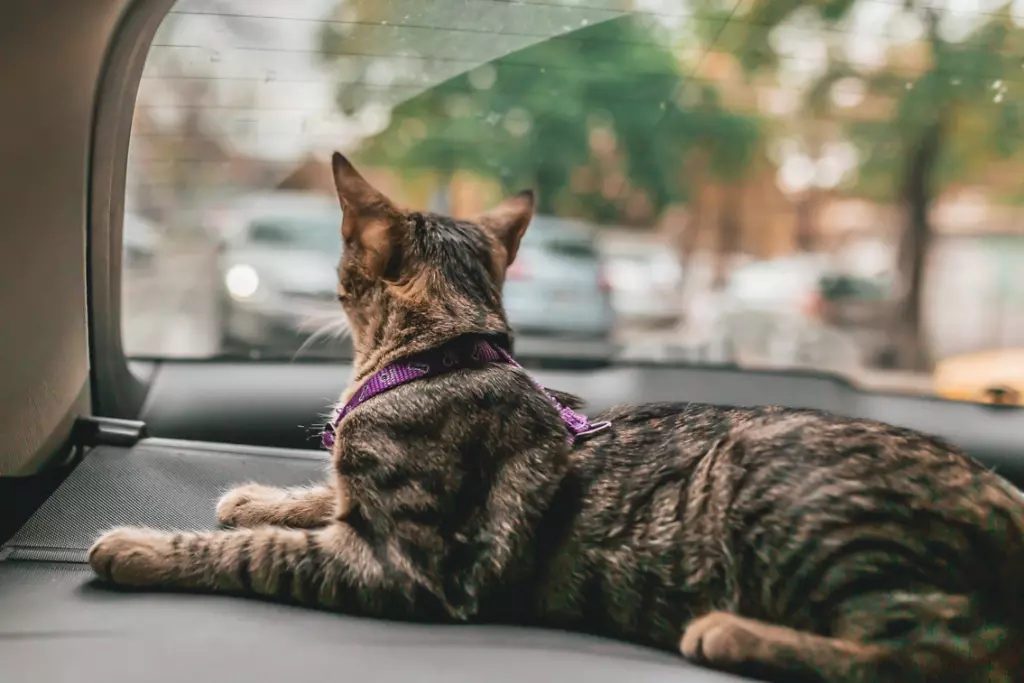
[(277, 271), (556, 295), (646, 281)]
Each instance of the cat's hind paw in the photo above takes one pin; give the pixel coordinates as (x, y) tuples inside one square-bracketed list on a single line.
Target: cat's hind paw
[(721, 639)]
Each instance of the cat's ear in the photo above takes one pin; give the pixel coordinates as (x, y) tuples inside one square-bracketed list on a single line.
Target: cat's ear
[(369, 219), (508, 221)]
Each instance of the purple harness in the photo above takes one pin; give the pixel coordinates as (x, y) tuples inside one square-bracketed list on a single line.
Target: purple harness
[(457, 355)]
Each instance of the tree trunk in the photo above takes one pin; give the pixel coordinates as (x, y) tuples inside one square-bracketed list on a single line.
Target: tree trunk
[(687, 236), (687, 239), (728, 242), (547, 178), (806, 221), (917, 196)]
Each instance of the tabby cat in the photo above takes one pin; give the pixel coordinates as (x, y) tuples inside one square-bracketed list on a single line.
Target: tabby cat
[(788, 544)]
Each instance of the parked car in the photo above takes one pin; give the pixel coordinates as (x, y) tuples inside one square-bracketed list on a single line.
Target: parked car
[(805, 292), (785, 286), (140, 241), (277, 270), (645, 279), (556, 295)]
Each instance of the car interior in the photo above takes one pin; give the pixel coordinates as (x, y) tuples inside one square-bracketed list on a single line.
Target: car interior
[(92, 439)]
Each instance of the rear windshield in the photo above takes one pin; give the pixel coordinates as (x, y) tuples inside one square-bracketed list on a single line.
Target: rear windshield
[(837, 183)]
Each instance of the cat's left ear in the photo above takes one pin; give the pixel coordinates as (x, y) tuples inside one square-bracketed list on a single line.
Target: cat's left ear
[(508, 221), (369, 219)]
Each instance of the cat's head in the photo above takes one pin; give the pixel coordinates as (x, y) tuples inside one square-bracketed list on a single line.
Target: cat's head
[(409, 280)]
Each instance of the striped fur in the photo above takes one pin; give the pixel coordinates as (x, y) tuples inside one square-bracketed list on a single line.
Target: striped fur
[(788, 544)]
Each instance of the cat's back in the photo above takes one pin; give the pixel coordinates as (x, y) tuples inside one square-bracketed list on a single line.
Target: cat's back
[(687, 507), (794, 439), (767, 471)]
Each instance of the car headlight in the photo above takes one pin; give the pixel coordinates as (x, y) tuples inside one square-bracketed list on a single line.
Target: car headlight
[(242, 281)]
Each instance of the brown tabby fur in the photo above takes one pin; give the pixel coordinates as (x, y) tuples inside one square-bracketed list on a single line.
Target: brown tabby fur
[(790, 544)]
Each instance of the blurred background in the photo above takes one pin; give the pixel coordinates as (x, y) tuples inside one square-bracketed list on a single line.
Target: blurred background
[(830, 185)]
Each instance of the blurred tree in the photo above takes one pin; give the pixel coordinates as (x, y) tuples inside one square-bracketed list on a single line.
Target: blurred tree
[(180, 155), (552, 115), (599, 120), (908, 155)]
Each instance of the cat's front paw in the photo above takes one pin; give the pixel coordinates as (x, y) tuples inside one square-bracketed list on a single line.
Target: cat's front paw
[(247, 505), (720, 639), (131, 556)]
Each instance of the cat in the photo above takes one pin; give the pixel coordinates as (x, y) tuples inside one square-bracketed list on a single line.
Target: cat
[(783, 543)]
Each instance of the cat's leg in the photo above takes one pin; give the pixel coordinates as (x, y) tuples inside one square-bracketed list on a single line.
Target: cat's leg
[(330, 566), (302, 507), (934, 636), (746, 646), (884, 637)]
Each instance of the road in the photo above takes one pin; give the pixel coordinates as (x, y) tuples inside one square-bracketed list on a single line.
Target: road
[(169, 311)]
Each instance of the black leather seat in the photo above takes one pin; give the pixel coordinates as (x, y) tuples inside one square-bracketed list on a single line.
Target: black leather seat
[(56, 624)]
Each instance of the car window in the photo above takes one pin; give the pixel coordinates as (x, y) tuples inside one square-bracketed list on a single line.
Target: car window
[(570, 247), (271, 233), (296, 233), (837, 175)]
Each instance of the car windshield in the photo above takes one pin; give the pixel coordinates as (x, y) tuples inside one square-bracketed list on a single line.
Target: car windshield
[(795, 185)]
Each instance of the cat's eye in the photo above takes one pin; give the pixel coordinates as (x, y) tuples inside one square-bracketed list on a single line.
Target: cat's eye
[(342, 298)]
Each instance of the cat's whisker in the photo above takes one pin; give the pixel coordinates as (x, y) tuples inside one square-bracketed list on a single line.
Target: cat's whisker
[(334, 329)]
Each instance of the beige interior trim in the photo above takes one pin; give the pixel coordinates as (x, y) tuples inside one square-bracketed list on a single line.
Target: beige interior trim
[(53, 54)]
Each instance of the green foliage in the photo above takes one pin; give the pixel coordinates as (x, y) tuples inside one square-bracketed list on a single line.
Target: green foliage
[(965, 82), (607, 103), (543, 116)]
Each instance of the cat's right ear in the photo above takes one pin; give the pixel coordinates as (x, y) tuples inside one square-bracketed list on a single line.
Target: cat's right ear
[(369, 219)]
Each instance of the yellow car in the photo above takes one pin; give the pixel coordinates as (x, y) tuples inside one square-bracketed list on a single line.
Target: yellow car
[(995, 377)]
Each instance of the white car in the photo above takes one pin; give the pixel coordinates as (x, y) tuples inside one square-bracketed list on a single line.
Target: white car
[(770, 314), (645, 279), (785, 286)]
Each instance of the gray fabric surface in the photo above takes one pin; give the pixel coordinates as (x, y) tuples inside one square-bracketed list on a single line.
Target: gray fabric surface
[(57, 625), (157, 483)]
